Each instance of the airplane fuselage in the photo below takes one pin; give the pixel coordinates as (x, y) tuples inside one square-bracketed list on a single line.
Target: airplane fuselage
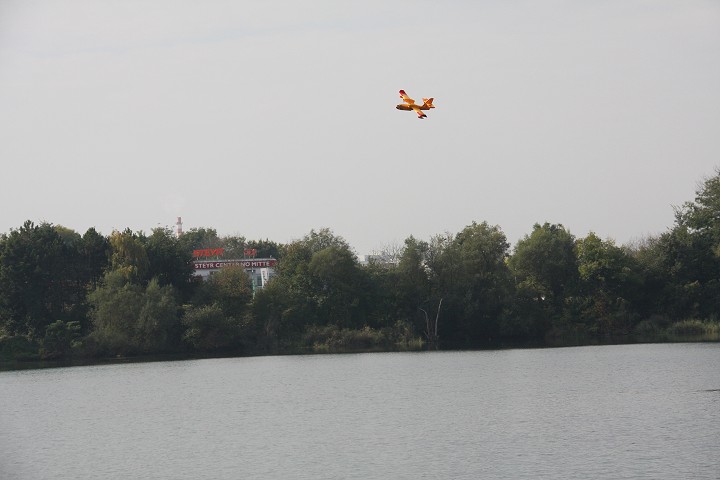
[(405, 106)]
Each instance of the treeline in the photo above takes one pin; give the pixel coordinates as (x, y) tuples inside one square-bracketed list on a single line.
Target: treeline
[(63, 294)]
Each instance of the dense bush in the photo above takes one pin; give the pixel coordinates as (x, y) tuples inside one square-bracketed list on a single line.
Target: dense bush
[(331, 338), (695, 328)]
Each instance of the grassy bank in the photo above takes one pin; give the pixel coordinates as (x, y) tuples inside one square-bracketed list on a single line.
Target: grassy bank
[(694, 330), (332, 339), (19, 352)]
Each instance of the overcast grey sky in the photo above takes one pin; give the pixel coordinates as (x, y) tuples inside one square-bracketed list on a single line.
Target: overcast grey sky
[(270, 118)]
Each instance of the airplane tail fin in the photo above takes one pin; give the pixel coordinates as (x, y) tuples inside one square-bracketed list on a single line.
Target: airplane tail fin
[(428, 102)]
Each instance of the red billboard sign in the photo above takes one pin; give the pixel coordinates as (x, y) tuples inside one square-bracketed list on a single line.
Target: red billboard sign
[(208, 252)]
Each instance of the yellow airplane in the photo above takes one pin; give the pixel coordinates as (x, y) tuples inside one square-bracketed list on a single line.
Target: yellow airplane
[(410, 105)]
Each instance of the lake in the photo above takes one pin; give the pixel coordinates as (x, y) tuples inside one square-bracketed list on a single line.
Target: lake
[(623, 411)]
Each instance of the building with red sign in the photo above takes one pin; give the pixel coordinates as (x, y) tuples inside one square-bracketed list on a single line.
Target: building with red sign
[(260, 270)]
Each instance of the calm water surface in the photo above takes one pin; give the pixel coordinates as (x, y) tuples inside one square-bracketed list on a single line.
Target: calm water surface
[(630, 411)]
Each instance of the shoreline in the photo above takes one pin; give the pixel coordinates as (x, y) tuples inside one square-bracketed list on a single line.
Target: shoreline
[(36, 364)]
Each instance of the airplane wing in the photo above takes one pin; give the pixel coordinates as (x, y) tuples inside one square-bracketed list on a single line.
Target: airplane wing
[(405, 97), (417, 110)]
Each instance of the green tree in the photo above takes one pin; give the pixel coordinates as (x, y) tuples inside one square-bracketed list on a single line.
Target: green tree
[(300, 285), (337, 287), (318, 282), (198, 238), (380, 298), (485, 284), (94, 256), (411, 283), (696, 241), (703, 214), (129, 255), (470, 274), (609, 281), (222, 318), (116, 304), (648, 256), (38, 279), (130, 318), (273, 312), (290, 292), (208, 328), (234, 246), (169, 261), (231, 290), (680, 275), (265, 248), (442, 266), (69, 236), (545, 270), (158, 327), (60, 339), (90, 259)]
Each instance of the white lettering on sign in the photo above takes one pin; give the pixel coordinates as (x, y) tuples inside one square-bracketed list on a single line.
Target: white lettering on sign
[(256, 263)]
